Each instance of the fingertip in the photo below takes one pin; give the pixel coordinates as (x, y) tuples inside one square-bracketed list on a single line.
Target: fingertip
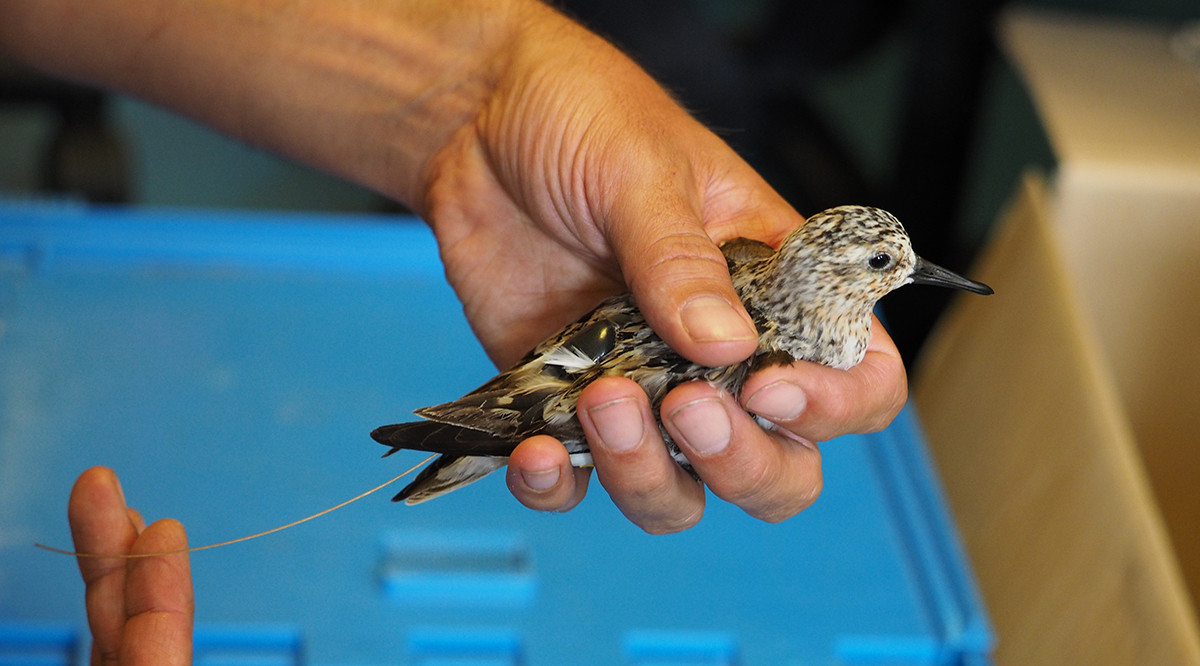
[(607, 389), (98, 472), (632, 462), (615, 414), (711, 329), (820, 403), (699, 420), (99, 479), (709, 318), (770, 473), (681, 282), (161, 536), (97, 514), (541, 477), (781, 401)]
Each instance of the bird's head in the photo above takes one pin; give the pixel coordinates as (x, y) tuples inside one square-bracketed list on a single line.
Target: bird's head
[(861, 254)]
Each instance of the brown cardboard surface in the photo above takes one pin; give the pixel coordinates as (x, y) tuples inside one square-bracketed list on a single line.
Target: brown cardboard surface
[(1042, 470), (1135, 251), (1110, 92), (1123, 113)]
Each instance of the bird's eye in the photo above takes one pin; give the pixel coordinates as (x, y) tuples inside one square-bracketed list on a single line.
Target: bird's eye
[(880, 261)]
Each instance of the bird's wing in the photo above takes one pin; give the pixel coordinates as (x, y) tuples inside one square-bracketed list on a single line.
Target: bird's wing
[(507, 410), (739, 251), (512, 405)]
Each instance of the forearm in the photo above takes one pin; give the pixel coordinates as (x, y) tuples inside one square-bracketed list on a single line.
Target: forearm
[(365, 90)]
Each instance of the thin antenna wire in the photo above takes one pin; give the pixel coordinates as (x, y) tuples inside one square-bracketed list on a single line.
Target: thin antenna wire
[(133, 556)]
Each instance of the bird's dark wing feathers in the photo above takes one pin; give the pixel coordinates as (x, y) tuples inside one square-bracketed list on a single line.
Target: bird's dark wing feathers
[(493, 418), (441, 438), (502, 412), (509, 407)]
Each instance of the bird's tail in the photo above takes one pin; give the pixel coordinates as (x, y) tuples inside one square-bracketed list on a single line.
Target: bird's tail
[(446, 474), (468, 455), (438, 437)]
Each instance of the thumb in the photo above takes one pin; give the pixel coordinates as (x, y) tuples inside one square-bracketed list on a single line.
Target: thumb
[(679, 278)]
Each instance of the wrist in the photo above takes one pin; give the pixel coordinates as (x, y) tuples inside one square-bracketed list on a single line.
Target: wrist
[(373, 92)]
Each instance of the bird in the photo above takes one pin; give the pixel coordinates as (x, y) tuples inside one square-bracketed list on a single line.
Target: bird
[(811, 299)]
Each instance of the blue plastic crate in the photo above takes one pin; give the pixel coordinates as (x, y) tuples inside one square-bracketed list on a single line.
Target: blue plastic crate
[(230, 366)]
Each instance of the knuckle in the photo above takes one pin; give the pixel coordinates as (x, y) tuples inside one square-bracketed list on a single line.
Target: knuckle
[(642, 485), (792, 505), (775, 488), (890, 406), (842, 416), (752, 484), (673, 524), (678, 257), (659, 502)]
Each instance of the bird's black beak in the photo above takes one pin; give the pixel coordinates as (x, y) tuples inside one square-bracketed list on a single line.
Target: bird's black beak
[(927, 273)]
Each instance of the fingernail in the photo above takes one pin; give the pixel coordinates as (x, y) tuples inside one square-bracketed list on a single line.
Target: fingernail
[(543, 480), (619, 423), (711, 319), (781, 401), (704, 425)]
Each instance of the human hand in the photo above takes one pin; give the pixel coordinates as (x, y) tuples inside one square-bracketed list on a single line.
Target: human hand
[(579, 176), (140, 611), (553, 170)]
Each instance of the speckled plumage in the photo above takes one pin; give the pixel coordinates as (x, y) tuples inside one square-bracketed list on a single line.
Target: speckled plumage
[(811, 300)]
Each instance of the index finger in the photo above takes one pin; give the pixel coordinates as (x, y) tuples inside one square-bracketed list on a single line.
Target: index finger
[(100, 523)]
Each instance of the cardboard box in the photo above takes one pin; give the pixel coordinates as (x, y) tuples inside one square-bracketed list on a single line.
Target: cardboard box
[(1064, 411), (1042, 471), (1123, 113)]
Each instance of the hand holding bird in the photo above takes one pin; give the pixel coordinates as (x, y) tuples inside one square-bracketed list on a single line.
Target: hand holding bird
[(810, 301)]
